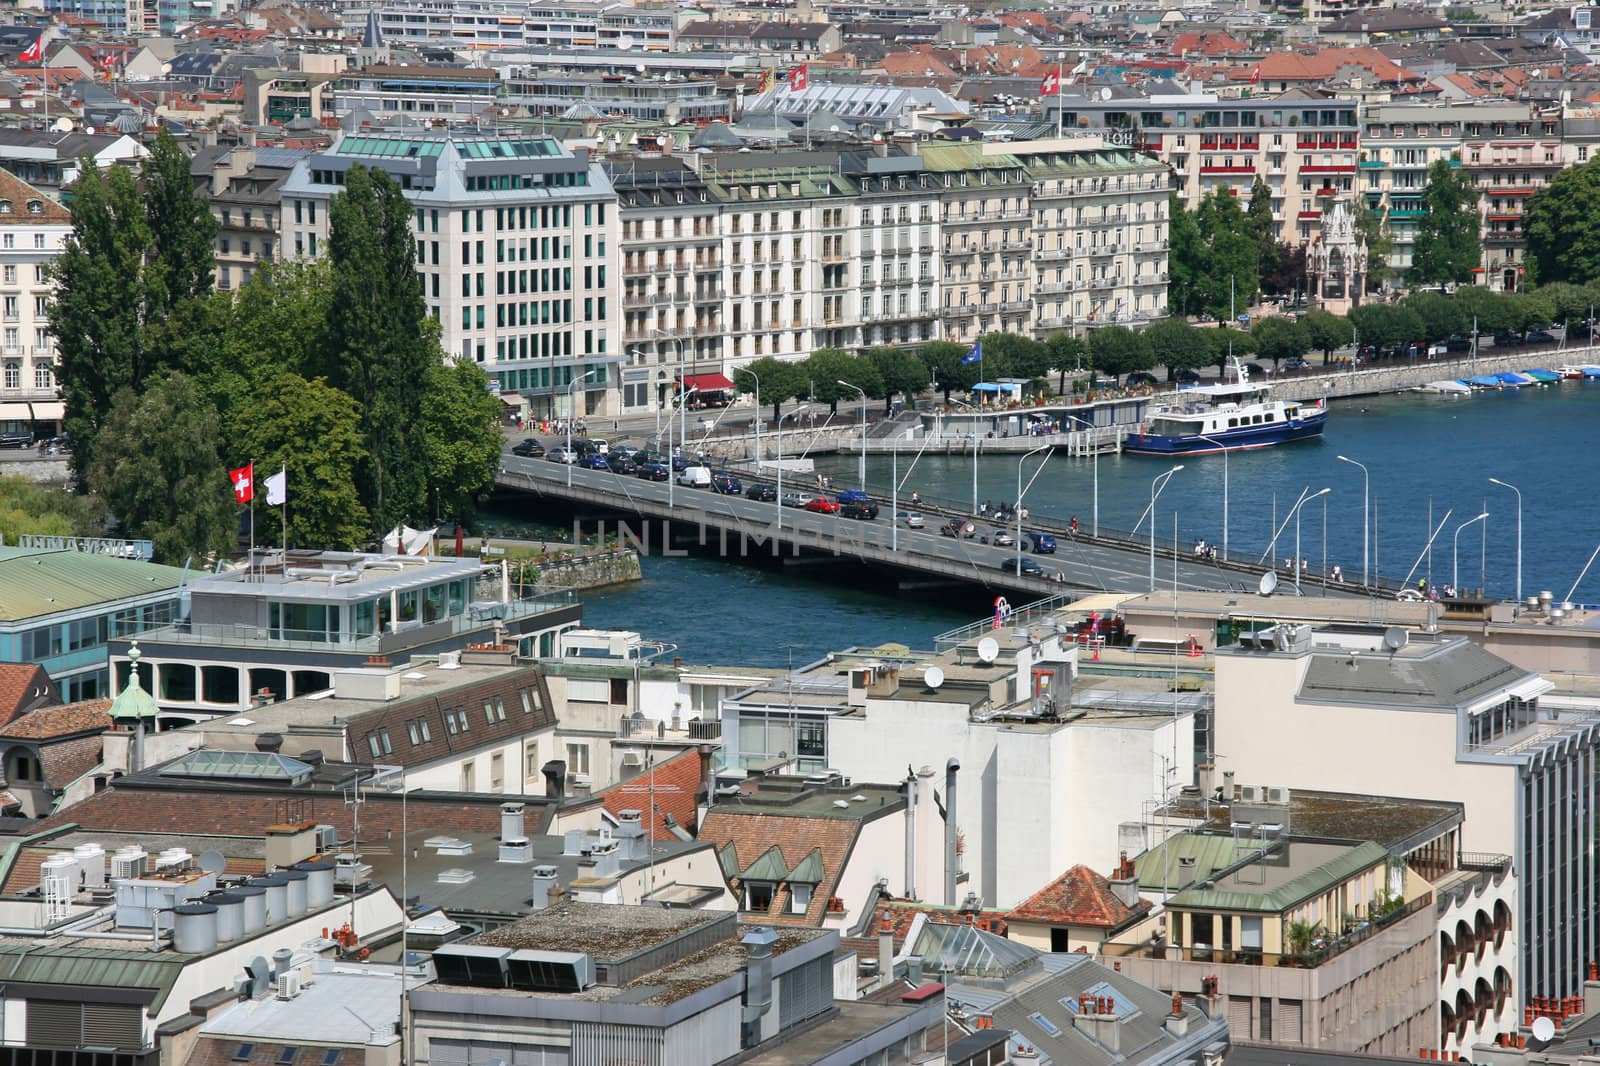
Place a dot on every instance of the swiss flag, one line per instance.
(34, 52)
(1255, 75)
(244, 483)
(1051, 85)
(800, 78)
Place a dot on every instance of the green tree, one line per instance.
(1440, 315)
(1119, 350)
(1483, 309)
(781, 381)
(1067, 353)
(312, 431)
(157, 467)
(1325, 331)
(1010, 355)
(27, 506)
(945, 360)
(1177, 345)
(1446, 248)
(1564, 227)
(1185, 258)
(181, 263)
(1372, 226)
(902, 373)
(1227, 279)
(1529, 310)
(461, 422)
(1258, 216)
(1386, 325)
(97, 310)
(827, 367)
(1228, 342)
(381, 343)
(1568, 302)
(1278, 338)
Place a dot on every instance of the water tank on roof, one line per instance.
(194, 928)
(255, 907)
(230, 916)
(295, 881)
(319, 883)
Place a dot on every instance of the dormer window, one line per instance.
(758, 895)
(35, 207)
(5, 207)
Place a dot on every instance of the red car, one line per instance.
(822, 506)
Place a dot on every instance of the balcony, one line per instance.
(1054, 323)
(988, 308)
(1110, 281)
(1052, 288)
(1149, 246)
(707, 296)
(1017, 245)
(961, 252)
(644, 299)
(1016, 305)
(1052, 254)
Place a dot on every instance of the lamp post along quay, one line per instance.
(1157, 485)
(1366, 514)
(1513, 488)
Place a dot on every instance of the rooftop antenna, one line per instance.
(933, 677)
(988, 649)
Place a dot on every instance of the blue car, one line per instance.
(594, 461)
(1040, 543)
(851, 496)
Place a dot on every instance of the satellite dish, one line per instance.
(1105, 94)
(988, 649)
(1394, 638)
(1269, 583)
(211, 861)
(1544, 1030)
(933, 677)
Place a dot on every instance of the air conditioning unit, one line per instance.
(327, 838)
(289, 985)
(1277, 795)
(1249, 794)
(128, 863)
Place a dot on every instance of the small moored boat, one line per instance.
(1448, 388)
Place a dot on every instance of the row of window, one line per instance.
(290, 1056)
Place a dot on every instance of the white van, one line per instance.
(697, 477)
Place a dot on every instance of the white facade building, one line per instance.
(33, 231)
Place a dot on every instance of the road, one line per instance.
(740, 527)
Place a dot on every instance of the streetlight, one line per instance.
(969, 407)
(1223, 448)
(1455, 575)
(1300, 563)
(1156, 486)
(683, 422)
(1021, 492)
(672, 480)
(752, 373)
(863, 465)
(778, 500)
(1094, 450)
(1513, 488)
(1366, 512)
(572, 414)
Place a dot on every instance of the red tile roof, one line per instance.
(61, 721)
(23, 686)
(1078, 897)
(795, 837)
(673, 786)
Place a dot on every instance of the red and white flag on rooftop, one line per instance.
(34, 52)
(800, 78)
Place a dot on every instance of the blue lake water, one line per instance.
(1419, 449)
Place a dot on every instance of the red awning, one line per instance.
(707, 382)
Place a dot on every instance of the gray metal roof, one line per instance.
(1421, 676)
(345, 1008)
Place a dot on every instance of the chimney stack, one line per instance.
(950, 831)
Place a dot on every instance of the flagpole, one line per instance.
(1060, 86)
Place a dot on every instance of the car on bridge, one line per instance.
(959, 528)
(594, 462)
(851, 496)
(725, 484)
(561, 455)
(861, 510)
(653, 472)
(1296, 363)
(821, 505)
(910, 519)
(528, 448)
(618, 463)
(697, 477)
(1039, 543)
(761, 493)
(999, 538)
(1021, 567)
(797, 499)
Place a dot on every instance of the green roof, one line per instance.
(729, 858)
(1211, 852)
(809, 871)
(35, 582)
(770, 867)
(133, 701)
(1235, 893)
(100, 967)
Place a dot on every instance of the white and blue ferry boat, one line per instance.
(1227, 417)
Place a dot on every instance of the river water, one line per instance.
(1421, 450)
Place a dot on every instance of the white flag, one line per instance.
(278, 488)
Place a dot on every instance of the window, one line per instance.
(286, 1055)
(497, 772)
(799, 898)
(619, 691)
(331, 1057)
(758, 896)
(468, 774)
(243, 1052)
(577, 758)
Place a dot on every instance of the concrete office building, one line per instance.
(515, 242)
(1435, 717)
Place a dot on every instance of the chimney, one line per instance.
(1186, 869)
(950, 767)
(885, 948)
(290, 843)
(555, 778)
(543, 880)
(914, 970)
(1227, 786)
(249, 138)
(1591, 991)
(911, 835)
(1097, 1019)
(757, 980)
(514, 844)
(880, 147)
(1124, 887)
(1177, 1022)
(269, 742)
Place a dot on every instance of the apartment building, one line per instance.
(1509, 151)
(1298, 144)
(1461, 724)
(515, 242)
(33, 230)
(463, 24)
(427, 93)
(241, 184)
(1099, 234)
(897, 241)
(583, 95)
(986, 230)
